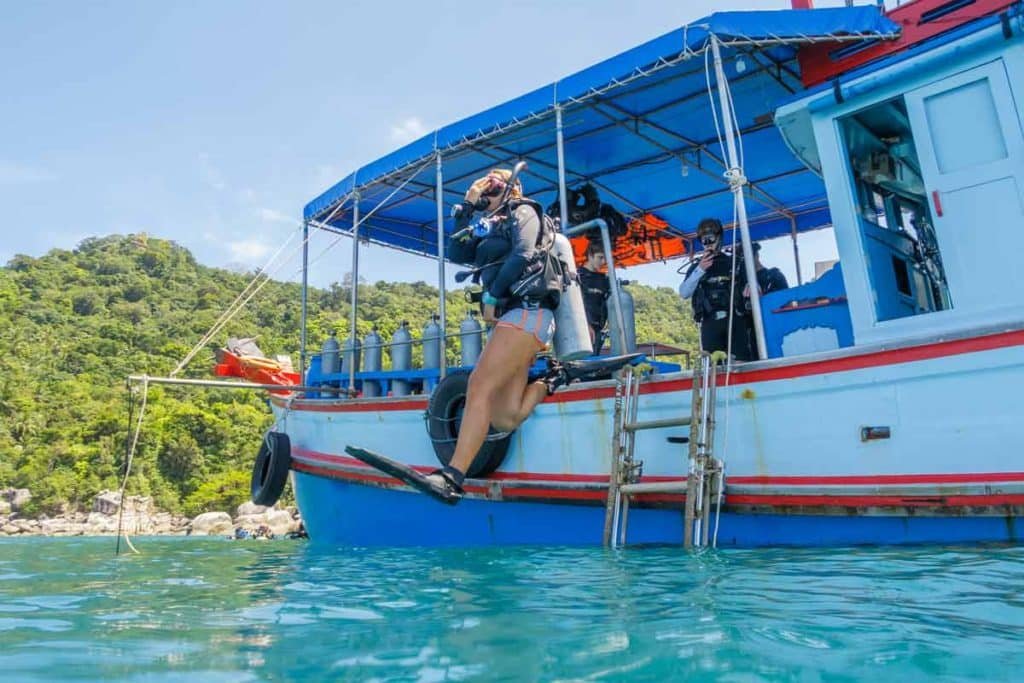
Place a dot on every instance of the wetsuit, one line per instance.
(710, 293)
(596, 290)
(768, 280)
(501, 255)
(519, 230)
(771, 280)
(502, 258)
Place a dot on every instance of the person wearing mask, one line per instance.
(596, 289)
(714, 285)
(768, 280)
(499, 391)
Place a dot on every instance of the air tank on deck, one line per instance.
(350, 355)
(401, 358)
(471, 339)
(628, 319)
(572, 333)
(432, 344)
(329, 355)
(373, 345)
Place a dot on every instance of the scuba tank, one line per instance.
(329, 355)
(401, 358)
(350, 355)
(470, 339)
(372, 347)
(572, 333)
(628, 319)
(432, 344)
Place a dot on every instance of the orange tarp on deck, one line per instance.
(648, 239)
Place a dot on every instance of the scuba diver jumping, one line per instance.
(512, 248)
(521, 282)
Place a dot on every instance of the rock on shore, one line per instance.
(140, 518)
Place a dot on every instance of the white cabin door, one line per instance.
(969, 142)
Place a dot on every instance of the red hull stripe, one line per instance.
(857, 362)
(875, 501)
(840, 480)
(770, 501)
(598, 495)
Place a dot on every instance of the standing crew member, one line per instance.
(712, 284)
(768, 280)
(596, 290)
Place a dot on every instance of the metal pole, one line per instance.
(355, 290)
(606, 243)
(736, 182)
(220, 383)
(440, 262)
(796, 251)
(563, 202)
(305, 285)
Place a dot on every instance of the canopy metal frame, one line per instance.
(496, 138)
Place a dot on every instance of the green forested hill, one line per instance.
(74, 324)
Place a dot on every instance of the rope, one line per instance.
(735, 177)
(128, 464)
(226, 316)
(239, 303)
(372, 211)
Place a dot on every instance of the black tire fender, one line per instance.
(270, 471)
(443, 419)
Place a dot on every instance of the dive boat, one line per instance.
(884, 408)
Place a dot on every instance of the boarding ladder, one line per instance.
(704, 482)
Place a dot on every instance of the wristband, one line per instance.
(488, 300)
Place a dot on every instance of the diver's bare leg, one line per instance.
(501, 361)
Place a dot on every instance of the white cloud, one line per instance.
(408, 130)
(210, 174)
(274, 216)
(13, 173)
(248, 251)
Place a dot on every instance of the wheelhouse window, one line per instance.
(903, 258)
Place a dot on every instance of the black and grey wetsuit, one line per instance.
(710, 293)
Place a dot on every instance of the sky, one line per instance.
(213, 123)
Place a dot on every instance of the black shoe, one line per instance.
(444, 485)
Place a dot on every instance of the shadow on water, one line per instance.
(233, 611)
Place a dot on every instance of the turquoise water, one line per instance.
(212, 610)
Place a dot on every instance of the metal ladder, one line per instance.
(704, 482)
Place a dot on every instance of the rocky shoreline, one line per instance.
(141, 518)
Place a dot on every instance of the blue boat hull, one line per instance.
(342, 513)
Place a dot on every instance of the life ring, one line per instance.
(444, 415)
(270, 471)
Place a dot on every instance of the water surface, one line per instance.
(214, 610)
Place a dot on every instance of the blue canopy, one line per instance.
(639, 127)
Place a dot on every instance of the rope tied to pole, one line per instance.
(736, 179)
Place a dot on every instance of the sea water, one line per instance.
(215, 610)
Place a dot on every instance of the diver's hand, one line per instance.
(479, 187)
(706, 260)
(489, 313)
